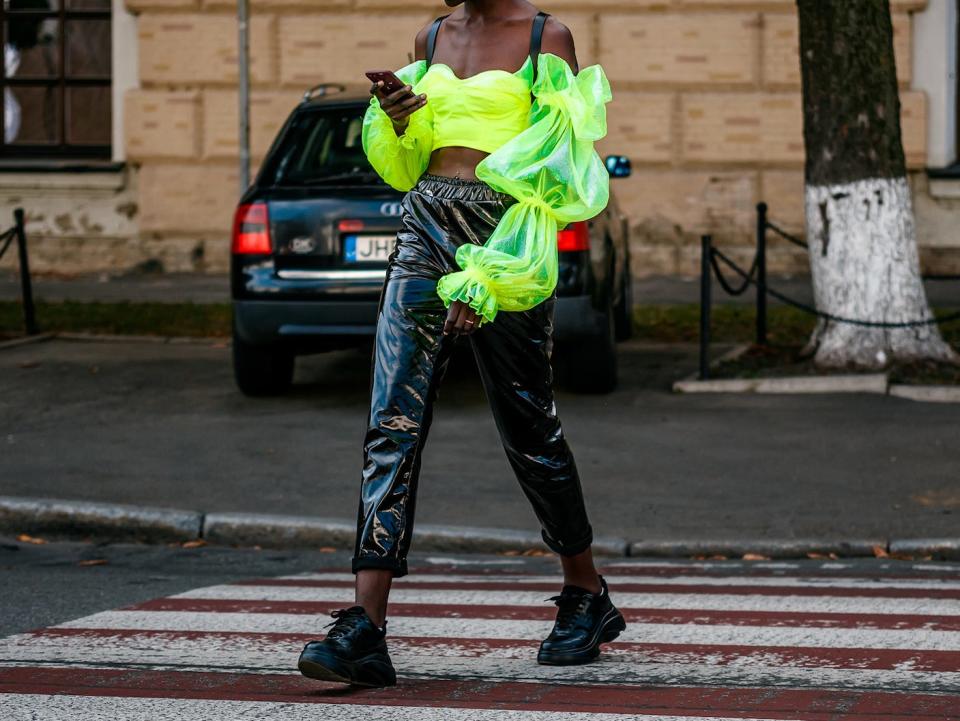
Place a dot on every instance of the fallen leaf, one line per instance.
(902, 556)
(536, 552)
(817, 555)
(94, 562)
(28, 364)
(755, 557)
(24, 538)
(327, 549)
(510, 553)
(196, 543)
(94, 369)
(937, 499)
(880, 552)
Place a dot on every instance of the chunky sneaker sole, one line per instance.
(608, 629)
(374, 670)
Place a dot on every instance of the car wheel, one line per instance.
(592, 362)
(261, 370)
(623, 313)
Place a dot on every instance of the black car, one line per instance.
(313, 234)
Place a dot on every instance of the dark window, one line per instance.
(56, 79)
(321, 146)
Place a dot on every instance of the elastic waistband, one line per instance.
(442, 186)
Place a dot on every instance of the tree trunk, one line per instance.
(859, 211)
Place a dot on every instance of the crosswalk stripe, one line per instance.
(458, 596)
(622, 581)
(531, 630)
(72, 643)
(438, 696)
(623, 663)
(58, 708)
(488, 586)
(548, 612)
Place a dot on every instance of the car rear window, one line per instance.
(322, 146)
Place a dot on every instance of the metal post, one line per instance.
(706, 250)
(26, 289)
(761, 274)
(243, 92)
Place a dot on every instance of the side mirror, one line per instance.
(618, 166)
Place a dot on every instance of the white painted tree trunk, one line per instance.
(864, 262)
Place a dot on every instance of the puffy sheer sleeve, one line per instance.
(555, 174)
(399, 160)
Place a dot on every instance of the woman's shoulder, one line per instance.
(558, 40)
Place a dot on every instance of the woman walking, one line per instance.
(492, 140)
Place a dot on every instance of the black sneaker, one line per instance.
(354, 652)
(584, 621)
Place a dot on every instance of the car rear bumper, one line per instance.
(263, 322)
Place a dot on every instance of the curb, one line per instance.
(109, 521)
(26, 340)
(929, 394)
(158, 339)
(279, 531)
(943, 548)
(102, 520)
(772, 547)
(865, 383)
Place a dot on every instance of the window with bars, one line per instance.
(56, 79)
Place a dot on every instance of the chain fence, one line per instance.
(756, 276)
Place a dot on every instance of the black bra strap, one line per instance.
(432, 38)
(536, 39)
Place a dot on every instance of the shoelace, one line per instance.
(570, 606)
(341, 623)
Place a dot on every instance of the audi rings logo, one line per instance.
(391, 209)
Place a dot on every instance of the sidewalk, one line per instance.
(196, 288)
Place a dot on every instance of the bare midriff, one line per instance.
(455, 162)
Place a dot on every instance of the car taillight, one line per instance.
(251, 229)
(575, 236)
(350, 224)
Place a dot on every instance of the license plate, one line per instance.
(367, 248)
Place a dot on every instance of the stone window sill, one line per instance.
(62, 175)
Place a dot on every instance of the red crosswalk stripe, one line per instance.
(711, 640)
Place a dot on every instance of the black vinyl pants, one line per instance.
(411, 354)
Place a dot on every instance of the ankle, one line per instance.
(590, 583)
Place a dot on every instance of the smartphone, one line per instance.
(391, 83)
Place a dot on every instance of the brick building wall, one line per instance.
(706, 105)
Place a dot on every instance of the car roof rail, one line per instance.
(322, 89)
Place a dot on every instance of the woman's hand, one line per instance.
(398, 105)
(461, 319)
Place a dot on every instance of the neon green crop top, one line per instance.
(541, 153)
(499, 97)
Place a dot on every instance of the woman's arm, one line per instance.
(397, 133)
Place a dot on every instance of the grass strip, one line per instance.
(661, 323)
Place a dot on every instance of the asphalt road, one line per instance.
(162, 424)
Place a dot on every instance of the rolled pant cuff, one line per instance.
(568, 549)
(361, 563)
